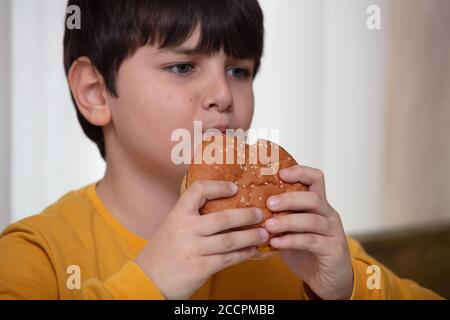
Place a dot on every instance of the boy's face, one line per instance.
(161, 90)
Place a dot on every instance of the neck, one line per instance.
(139, 201)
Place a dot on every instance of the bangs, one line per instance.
(234, 26)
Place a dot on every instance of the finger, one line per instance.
(201, 191)
(311, 177)
(311, 242)
(215, 222)
(300, 222)
(222, 261)
(232, 241)
(298, 201)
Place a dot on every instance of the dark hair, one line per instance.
(112, 30)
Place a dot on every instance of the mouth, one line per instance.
(224, 129)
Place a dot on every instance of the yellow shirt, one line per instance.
(76, 249)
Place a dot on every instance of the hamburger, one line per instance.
(229, 158)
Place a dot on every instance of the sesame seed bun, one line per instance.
(254, 187)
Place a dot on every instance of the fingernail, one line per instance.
(273, 201)
(264, 234)
(233, 187)
(259, 214)
(271, 222)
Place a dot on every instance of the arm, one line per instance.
(130, 283)
(391, 286)
(314, 245)
(27, 272)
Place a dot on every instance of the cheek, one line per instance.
(244, 101)
(145, 115)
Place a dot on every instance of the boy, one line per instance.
(138, 70)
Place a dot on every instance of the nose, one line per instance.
(218, 94)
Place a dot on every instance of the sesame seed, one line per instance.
(260, 198)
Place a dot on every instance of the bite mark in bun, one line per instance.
(254, 185)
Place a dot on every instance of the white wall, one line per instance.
(49, 154)
(320, 83)
(4, 113)
(355, 61)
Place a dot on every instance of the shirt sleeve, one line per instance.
(366, 287)
(390, 285)
(28, 273)
(130, 283)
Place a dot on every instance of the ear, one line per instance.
(90, 92)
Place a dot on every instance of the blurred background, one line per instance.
(366, 100)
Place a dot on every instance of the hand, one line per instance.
(187, 249)
(314, 244)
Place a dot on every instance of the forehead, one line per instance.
(194, 39)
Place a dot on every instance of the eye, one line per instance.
(239, 73)
(181, 69)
